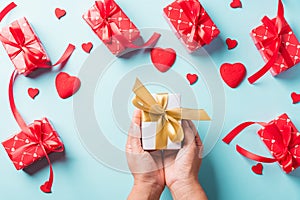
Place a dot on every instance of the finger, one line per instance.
(189, 136)
(134, 144)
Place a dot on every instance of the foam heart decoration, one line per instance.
(192, 78)
(33, 92)
(87, 47)
(163, 59)
(231, 43)
(233, 74)
(60, 13)
(236, 4)
(295, 97)
(66, 85)
(257, 169)
(46, 187)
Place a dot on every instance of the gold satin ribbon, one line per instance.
(155, 110)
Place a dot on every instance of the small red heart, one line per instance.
(163, 59)
(236, 4)
(60, 13)
(231, 43)
(233, 74)
(295, 97)
(46, 187)
(66, 85)
(192, 78)
(257, 169)
(87, 47)
(33, 92)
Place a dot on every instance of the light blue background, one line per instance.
(224, 173)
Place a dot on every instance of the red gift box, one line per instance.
(109, 22)
(281, 138)
(191, 23)
(23, 47)
(24, 149)
(277, 44)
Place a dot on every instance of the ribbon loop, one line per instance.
(155, 110)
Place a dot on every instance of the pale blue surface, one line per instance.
(224, 173)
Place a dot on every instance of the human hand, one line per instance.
(146, 167)
(181, 167)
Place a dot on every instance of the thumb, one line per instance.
(189, 136)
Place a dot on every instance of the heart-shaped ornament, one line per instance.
(233, 74)
(192, 78)
(66, 85)
(257, 169)
(87, 47)
(60, 13)
(163, 59)
(295, 97)
(46, 187)
(236, 4)
(231, 44)
(33, 92)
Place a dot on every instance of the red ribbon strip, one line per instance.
(35, 134)
(280, 152)
(110, 29)
(6, 10)
(193, 12)
(275, 43)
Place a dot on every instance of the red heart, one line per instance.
(87, 47)
(295, 97)
(192, 78)
(46, 187)
(257, 169)
(66, 85)
(60, 13)
(163, 59)
(33, 92)
(231, 43)
(233, 74)
(236, 4)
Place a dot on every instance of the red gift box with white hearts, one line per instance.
(289, 42)
(23, 46)
(191, 23)
(281, 138)
(109, 21)
(24, 149)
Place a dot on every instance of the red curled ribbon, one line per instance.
(277, 28)
(110, 29)
(48, 142)
(193, 10)
(38, 132)
(283, 145)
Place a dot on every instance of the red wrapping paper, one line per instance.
(194, 30)
(108, 21)
(280, 136)
(289, 41)
(24, 149)
(25, 50)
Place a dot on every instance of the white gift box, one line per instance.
(149, 128)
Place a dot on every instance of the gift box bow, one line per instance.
(155, 110)
(277, 27)
(40, 133)
(32, 56)
(282, 139)
(106, 9)
(197, 16)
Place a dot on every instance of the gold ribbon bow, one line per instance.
(155, 110)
